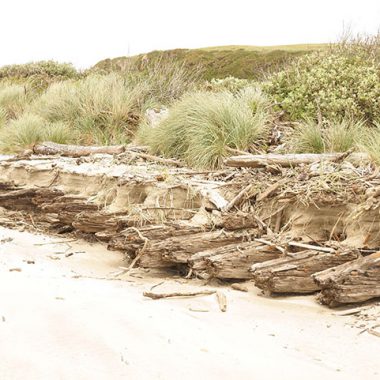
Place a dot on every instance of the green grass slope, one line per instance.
(248, 62)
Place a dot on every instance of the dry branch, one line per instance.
(156, 296)
(238, 198)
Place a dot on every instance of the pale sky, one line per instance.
(86, 31)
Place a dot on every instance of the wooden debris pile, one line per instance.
(285, 222)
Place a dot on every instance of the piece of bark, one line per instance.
(293, 274)
(156, 296)
(288, 160)
(236, 221)
(232, 261)
(356, 281)
(50, 148)
(222, 301)
(240, 287)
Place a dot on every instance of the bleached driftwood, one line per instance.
(49, 148)
(287, 160)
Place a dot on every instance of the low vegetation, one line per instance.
(343, 81)
(29, 129)
(202, 128)
(221, 101)
(13, 100)
(97, 108)
(245, 62)
(339, 136)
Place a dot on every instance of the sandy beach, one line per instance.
(64, 315)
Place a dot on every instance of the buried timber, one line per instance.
(299, 224)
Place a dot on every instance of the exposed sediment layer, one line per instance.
(210, 224)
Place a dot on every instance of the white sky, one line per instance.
(86, 31)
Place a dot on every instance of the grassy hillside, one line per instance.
(291, 48)
(248, 62)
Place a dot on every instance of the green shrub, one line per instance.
(229, 83)
(41, 68)
(332, 84)
(202, 127)
(30, 129)
(37, 76)
(339, 136)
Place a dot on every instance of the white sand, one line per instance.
(57, 323)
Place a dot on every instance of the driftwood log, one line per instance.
(356, 281)
(27, 199)
(180, 249)
(232, 261)
(49, 148)
(131, 240)
(293, 272)
(288, 160)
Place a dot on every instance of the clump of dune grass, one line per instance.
(345, 135)
(30, 129)
(102, 109)
(168, 79)
(203, 127)
(370, 143)
(13, 99)
(333, 136)
(3, 117)
(307, 138)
